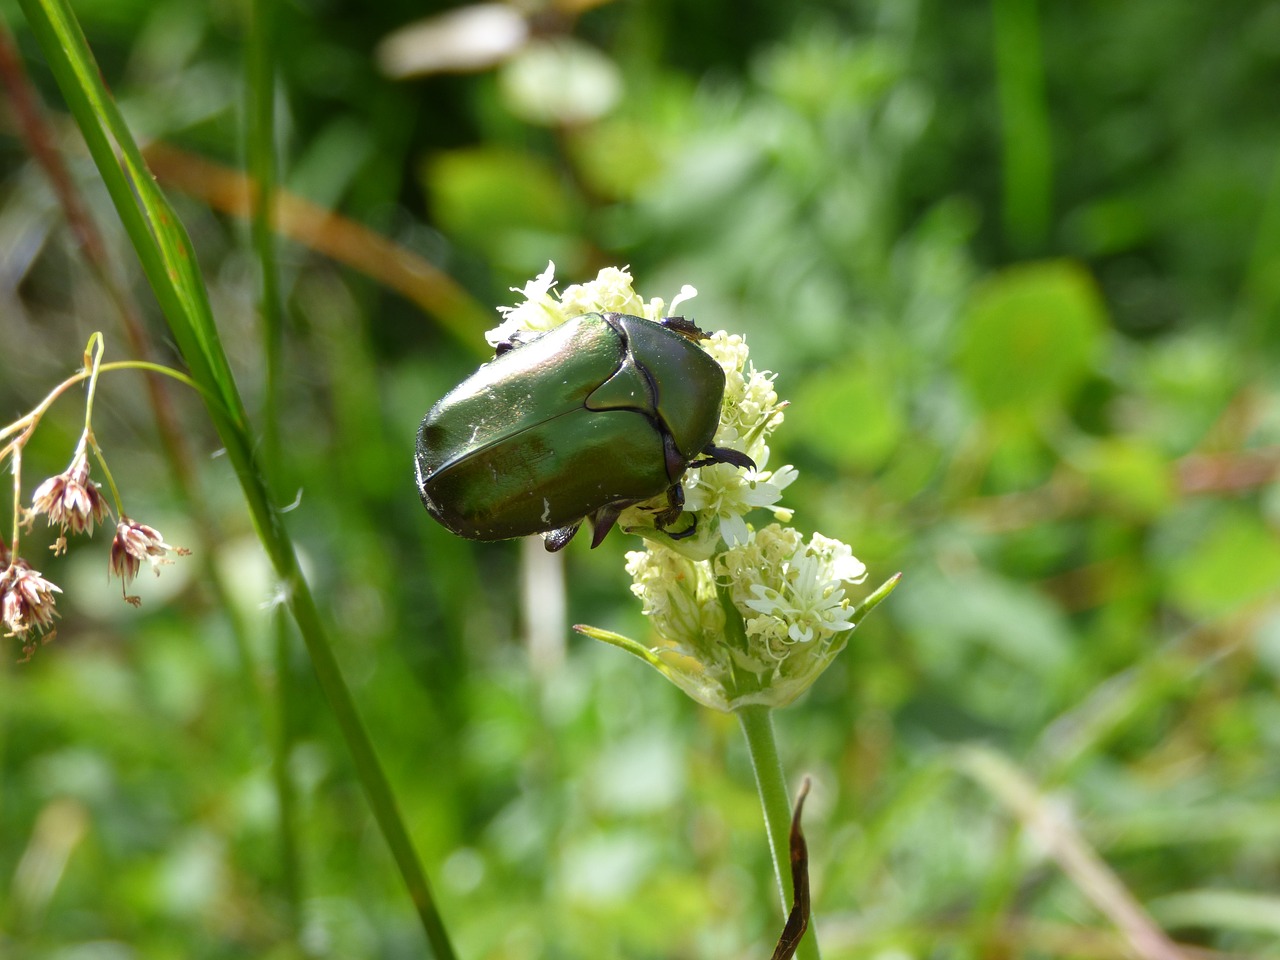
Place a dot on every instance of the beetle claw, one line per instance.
(688, 531)
(674, 511)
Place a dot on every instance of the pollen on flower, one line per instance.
(27, 605)
(133, 543)
(70, 501)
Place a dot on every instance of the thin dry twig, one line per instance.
(1078, 860)
(324, 231)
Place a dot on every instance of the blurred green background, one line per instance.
(1017, 267)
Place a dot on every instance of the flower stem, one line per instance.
(757, 726)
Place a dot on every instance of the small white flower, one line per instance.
(678, 594)
(687, 292)
(796, 590)
(806, 593)
(728, 493)
(788, 596)
(808, 604)
(751, 408)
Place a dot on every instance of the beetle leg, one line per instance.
(686, 328)
(714, 454)
(559, 538)
(675, 506)
(505, 346)
(676, 464)
(675, 509)
(688, 531)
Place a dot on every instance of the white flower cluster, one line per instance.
(543, 309)
(788, 595)
(742, 615)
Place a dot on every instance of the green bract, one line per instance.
(595, 415)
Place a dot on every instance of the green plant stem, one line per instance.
(286, 795)
(261, 161)
(261, 156)
(1027, 145)
(169, 262)
(757, 726)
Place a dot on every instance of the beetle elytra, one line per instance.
(598, 414)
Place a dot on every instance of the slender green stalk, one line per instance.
(261, 156)
(286, 795)
(757, 726)
(169, 262)
(1026, 140)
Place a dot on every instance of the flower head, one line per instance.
(794, 599)
(543, 309)
(742, 615)
(133, 543)
(786, 596)
(26, 604)
(71, 501)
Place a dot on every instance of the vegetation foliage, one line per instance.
(1017, 268)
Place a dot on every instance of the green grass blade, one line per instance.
(261, 162)
(1026, 138)
(168, 260)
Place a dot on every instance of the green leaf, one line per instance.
(1241, 910)
(1029, 336)
(508, 205)
(1237, 561)
(850, 414)
(1130, 474)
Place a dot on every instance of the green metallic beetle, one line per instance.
(581, 422)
